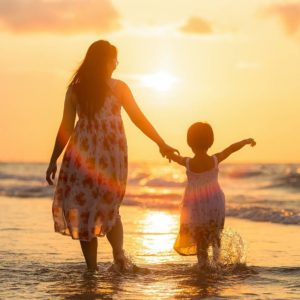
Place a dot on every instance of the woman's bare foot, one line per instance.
(124, 264)
(119, 264)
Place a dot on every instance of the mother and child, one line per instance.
(93, 174)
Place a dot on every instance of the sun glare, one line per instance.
(159, 229)
(161, 81)
(159, 222)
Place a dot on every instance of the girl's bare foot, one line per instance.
(216, 254)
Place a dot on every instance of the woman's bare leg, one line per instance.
(115, 238)
(89, 250)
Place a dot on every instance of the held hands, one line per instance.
(50, 173)
(165, 150)
(250, 141)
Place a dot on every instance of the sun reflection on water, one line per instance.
(159, 222)
(159, 231)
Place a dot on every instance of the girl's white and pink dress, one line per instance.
(202, 210)
(93, 173)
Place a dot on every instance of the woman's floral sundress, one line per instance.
(92, 179)
(202, 210)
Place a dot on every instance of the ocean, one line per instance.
(258, 192)
(260, 252)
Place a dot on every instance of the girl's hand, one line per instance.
(251, 142)
(50, 173)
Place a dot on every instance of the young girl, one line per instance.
(203, 206)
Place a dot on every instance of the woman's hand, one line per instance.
(165, 149)
(50, 173)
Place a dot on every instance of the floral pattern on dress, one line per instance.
(93, 174)
(202, 211)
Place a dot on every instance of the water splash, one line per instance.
(127, 266)
(232, 254)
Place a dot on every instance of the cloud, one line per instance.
(197, 25)
(289, 15)
(59, 16)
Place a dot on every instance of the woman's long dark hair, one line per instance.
(89, 81)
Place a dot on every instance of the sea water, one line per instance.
(260, 257)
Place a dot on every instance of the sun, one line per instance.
(160, 81)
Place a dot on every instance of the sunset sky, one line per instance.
(234, 64)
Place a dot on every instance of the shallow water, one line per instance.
(69, 280)
(36, 263)
(163, 281)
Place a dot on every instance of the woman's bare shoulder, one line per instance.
(120, 88)
(120, 84)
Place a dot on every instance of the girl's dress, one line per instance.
(93, 174)
(202, 210)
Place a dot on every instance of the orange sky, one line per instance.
(234, 64)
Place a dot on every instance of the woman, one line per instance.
(93, 174)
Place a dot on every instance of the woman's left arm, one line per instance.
(140, 120)
(64, 132)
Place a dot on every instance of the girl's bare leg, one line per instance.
(115, 238)
(217, 249)
(89, 250)
(202, 248)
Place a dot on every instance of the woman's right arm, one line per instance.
(140, 120)
(177, 158)
(64, 132)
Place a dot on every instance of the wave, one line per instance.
(32, 191)
(244, 173)
(264, 211)
(18, 177)
(253, 213)
(257, 213)
(250, 189)
(265, 214)
(163, 196)
(160, 182)
(291, 181)
(135, 179)
(153, 202)
(276, 175)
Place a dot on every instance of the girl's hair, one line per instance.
(200, 136)
(89, 81)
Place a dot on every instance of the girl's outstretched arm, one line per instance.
(64, 132)
(140, 120)
(233, 148)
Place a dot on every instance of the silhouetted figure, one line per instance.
(203, 206)
(92, 179)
